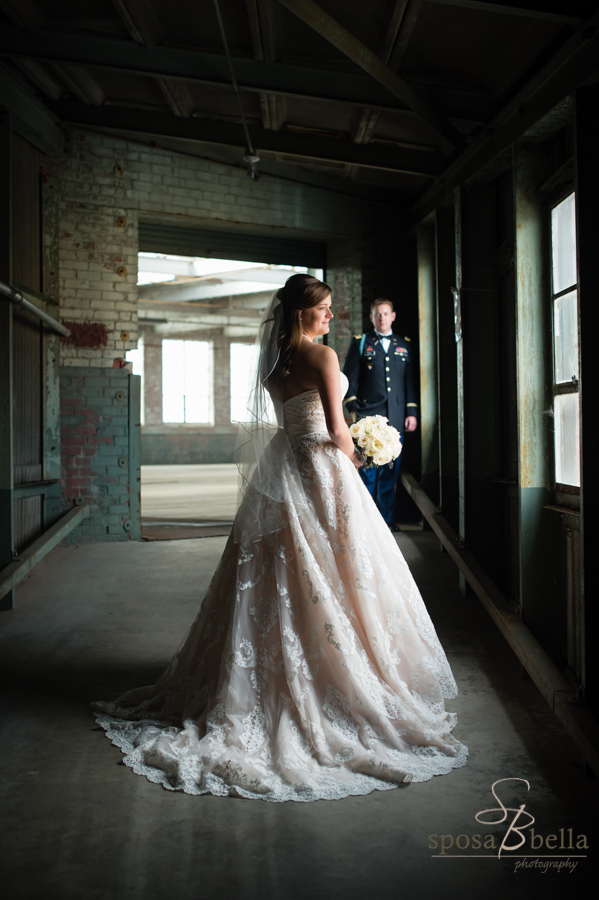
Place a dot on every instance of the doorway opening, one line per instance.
(198, 318)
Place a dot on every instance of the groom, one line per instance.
(381, 382)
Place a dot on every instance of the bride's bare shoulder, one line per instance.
(320, 355)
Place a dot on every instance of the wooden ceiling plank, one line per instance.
(316, 18)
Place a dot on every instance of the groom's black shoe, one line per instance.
(394, 528)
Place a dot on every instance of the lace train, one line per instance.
(313, 670)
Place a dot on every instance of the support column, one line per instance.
(344, 275)
(153, 379)
(587, 200)
(222, 380)
(533, 367)
(427, 330)
(6, 349)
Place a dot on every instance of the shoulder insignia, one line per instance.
(406, 338)
(357, 337)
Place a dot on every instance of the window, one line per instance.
(565, 342)
(137, 358)
(243, 361)
(187, 393)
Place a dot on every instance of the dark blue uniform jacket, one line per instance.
(381, 384)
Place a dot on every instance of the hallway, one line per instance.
(93, 620)
(166, 167)
(187, 501)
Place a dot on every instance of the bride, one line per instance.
(312, 670)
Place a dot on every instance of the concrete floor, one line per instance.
(94, 620)
(206, 493)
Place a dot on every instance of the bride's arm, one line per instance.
(328, 384)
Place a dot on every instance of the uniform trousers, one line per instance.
(381, 481)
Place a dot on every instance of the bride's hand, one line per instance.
(356, 460)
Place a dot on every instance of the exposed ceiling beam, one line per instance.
(317, 19)
(177, 95)
(30, 117)
(141, 20)
(216, 314)
(40, 75)
(393, 159)
(81, 83)
(254, 26)
(269, 14)
(408, 22)
(186, 291)
(258, 51)
(22, 13)
(392, 25)
(203, 327)
(575, 62)
(186, 269)
(528, 9)
(395, 14)
(282, 79)
(240, 303)
(265, 32)
(143, 26)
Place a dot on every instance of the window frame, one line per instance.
(566, 387)
(210, 423)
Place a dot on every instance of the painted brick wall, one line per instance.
(105, 186)
(344, 275)
(95, 436)
(100, 207)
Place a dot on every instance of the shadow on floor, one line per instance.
(94, 620)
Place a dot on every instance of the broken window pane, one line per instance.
(567, 440)
(563, 241)
(565, 331)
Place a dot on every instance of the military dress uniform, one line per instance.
(381, 383)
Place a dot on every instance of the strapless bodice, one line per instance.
(304, 413)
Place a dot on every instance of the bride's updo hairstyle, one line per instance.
(299, 292)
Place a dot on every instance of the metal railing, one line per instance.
(18, 299)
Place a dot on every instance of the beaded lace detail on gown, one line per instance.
(313, 670)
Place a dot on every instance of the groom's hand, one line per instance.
(411, 423)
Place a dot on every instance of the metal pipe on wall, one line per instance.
(18, 299)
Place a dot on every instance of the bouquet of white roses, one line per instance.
(376, 443)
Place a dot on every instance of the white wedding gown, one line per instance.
(312, 670)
